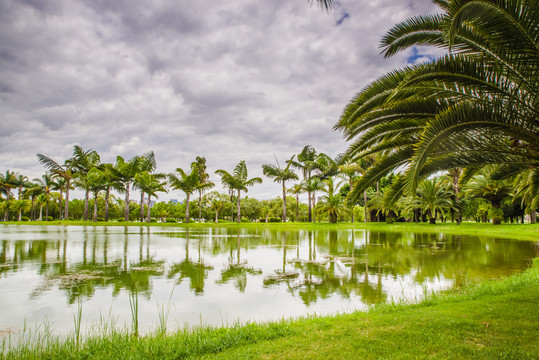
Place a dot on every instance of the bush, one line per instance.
(153, 220)
(48, 218)
(171, 220)
(496, 214)
(263, 220)
(120, 219)
(274, 219)
(25, 218)
(100, 219)
(245, 220)
(221, 221)
(390, 220)
(71, 218)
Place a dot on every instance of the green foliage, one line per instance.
(274, 219)
(496, 214)
(25, 218)
(171, 220)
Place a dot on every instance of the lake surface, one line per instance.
(221, 276)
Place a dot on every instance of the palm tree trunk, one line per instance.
(107, 204)
(40, 212)
(310, 210)
(86, 201)
(353, 206)
(199, 203)
(297, 208)
(66, 210)
(239, 212)
(148, 214)
(366, 220)
(60, 206)
(126, 210)
(95, 207)
(187, 208)
(141, 206)
(284, 203)
(47, 210)
(378, 195)
(533, 217)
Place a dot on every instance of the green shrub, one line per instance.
(245, 220)
(262, 220)
(100, 219)
(496, 214)
(390, 220)
(171, 220)
(120, 219)
(153, 220)
(221, 221)
(48, 218)
(25, 218)
(274, 219)
(71, 218)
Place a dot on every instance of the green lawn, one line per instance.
(492, 320)
(516, 231)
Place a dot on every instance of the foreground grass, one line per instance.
(493, 320)
(514, 231)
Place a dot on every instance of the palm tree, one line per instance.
(84, 161)
(66, 171)
(59, 184)
(433, 198)
(474, 107)
(494, 191)
(8, 182)
(33, 190)
(280, 175)
(148, 164)
(151, 185)
(188, 183)
(306, 162)
(296, 189)
(47, 184)
(126, 171)
(204, 182)
(238, 181)
(311, 186)
(332, 203)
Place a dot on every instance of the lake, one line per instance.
(224, 275)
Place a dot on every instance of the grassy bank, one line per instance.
(492, 320)
(515, 231)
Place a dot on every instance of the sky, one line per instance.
(227, 80)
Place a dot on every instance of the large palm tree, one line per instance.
(238, 181)
(474, 107)
(332, 203)
(433, 198)
(296, 190)
(186, 182)
(494, 191)
(281, 175)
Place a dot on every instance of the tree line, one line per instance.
(328, 182)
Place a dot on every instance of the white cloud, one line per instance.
(231, 80)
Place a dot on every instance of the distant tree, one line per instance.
(238, 181)
(188, 183)
(282, 176)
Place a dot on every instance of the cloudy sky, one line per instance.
(227, 80)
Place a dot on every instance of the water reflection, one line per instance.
(315, 267)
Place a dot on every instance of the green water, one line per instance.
(218, 276)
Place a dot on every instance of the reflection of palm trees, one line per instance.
(195, 271)
(237, 271)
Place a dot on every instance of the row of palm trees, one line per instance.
(473, 112)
